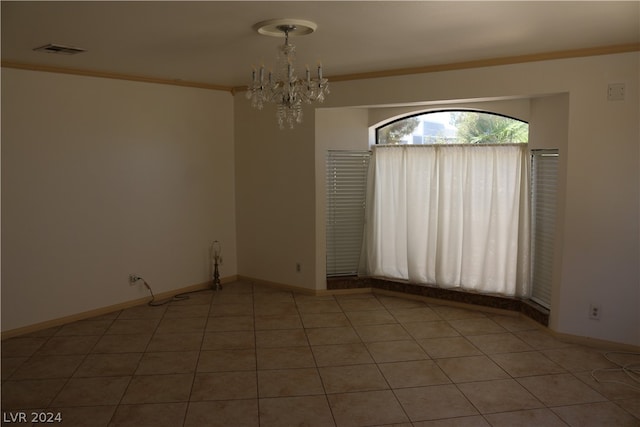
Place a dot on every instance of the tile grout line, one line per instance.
(195, 369)
(393, 392)
(124, 393)
(315, 361)
(68, 380)
(255, 349)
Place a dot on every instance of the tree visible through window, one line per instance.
(454, 127)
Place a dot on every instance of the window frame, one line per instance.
(443, 110)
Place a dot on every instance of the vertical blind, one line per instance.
(346, 193)
(544, 183)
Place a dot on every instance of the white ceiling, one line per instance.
(213, 42)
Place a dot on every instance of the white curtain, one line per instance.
(450, 216)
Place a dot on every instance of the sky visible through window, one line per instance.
(454, 127)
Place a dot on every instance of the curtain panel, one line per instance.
(454, 216)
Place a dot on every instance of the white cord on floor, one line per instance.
(632, 370)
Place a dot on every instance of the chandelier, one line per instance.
(282, 86)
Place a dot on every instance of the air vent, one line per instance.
(59, 49)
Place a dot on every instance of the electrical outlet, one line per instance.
(298, 267)
(595, 311)
(133, 279)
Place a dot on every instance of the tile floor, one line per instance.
(253, 356)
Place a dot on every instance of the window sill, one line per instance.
(526, 307)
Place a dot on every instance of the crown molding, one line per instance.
(117, 76)
(507, 60)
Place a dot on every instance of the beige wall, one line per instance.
(275, 197)
(599, 229)
(102, 178)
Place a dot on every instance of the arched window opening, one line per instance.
(453, 127)
(450, 199)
